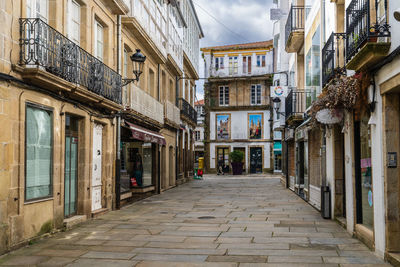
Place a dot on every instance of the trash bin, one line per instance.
(325, 202)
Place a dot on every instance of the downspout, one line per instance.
(159, 152)
(118, 137)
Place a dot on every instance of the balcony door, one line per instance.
(37, 9)
(74, 21)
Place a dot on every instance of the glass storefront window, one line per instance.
(38, 149)
(366, 174)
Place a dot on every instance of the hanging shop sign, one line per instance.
(279, 91)
(146, 135)
(328, 116)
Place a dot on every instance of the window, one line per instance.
(126, 57)
(256, 94)
(99, 41)
(197, 135)
(261, 61)
(223, 95)
(219, 63)
(233, 65)
(151, 84)
(38, 153)
(247, 65)
(37, 9)
(74, 21)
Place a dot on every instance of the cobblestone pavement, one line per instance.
(218, 221)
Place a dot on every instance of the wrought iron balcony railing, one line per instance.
(295, 21)
(295, 103)
(331, 58)
(361, 27)
(188, 111)
(41, 45)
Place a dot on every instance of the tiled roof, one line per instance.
(261, 44)
(199, 103)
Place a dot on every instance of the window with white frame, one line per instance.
(233, 65)
(261, 61)
(74, 21)
(256, 94)
(219, 63)
(247, 65)
(197, 135)
(99, 40)
(37, 9)
(223, 95)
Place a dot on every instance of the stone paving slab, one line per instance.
(216, 222)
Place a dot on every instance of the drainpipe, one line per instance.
(118, 144)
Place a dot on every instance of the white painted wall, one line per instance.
(348, 161)
(239, 124)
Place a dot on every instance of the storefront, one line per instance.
(139, 161)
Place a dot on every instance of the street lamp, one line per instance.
(138, 60)
(277, 105)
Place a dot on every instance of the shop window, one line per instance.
(38, 153)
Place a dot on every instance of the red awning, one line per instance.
(146, 135)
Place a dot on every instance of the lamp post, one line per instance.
(138, 60)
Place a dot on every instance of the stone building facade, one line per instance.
(75, 130)
(353, 151)
(237, 105)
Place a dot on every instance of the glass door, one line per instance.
(71, 167)
(256, 164)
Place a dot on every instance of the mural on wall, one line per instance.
(255, 126)
(223, 126)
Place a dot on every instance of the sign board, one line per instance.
(279, 91)
(327, 116)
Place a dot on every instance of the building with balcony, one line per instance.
(351, 149)
(199, 131)
(237, 105)
(60, 91)
(81, 140)
(162, 101)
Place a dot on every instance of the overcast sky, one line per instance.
(249, 19)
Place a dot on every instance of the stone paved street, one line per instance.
(219, 221)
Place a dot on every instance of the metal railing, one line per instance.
(295, 103)
(41, 45)
(187, 110)
(361, 27)
(331, 58)
(295, 21)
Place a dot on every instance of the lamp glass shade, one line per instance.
(277, 103)
(138, 60)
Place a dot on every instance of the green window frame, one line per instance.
(38, 152)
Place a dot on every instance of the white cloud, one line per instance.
(249, 19)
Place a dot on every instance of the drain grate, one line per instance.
(206, 217)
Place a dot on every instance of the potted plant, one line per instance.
(236, 158)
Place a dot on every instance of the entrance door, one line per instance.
(71, 166)
(256, 163)
(96, 166)
(223, 159)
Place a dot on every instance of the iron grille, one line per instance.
(41, 45)
(360, 28)
(295, 103)
(188, 111)
(295, 21)
(331, 59)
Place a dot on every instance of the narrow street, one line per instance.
(218, 221)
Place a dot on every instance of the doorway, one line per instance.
(71, 166)
(96, 166)
(256, 164)
(223, 159)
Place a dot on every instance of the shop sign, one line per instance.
(279, 91)
(327, 116)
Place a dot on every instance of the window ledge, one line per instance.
(38, 200)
